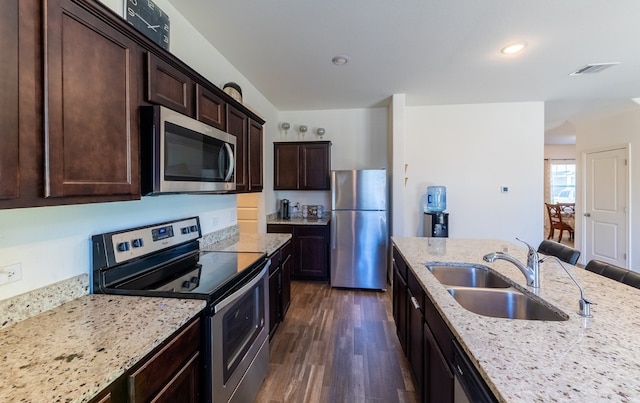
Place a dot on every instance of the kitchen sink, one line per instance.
(504, 303)
(467, 275)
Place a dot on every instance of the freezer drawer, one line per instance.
(359, 241)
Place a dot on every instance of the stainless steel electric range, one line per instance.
(164, 260)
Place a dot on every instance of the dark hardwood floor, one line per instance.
(337, 345)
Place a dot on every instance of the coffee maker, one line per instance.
(284, 209)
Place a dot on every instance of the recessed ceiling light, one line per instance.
(340, 60)
(636, 100)
(513, 48)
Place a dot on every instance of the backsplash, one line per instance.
(26, 305)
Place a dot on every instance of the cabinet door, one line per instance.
(415, 341)
(286, 166)
(311, 252)
(275, 281)
(315, 166)
(184, 386)
(210, 108)
(287, 271)
(172, 374)
(92, 80)
(168, 86)
(254, 165)
(437, 377)
(9, 126)
(237, 125)
(400, 306)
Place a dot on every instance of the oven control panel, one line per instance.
(137, 242)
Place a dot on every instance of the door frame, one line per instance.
(583, 197)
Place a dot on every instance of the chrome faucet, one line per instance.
(531, 271)
(584, 305)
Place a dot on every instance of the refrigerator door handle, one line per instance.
(334, 226)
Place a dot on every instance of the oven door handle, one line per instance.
(236, 295)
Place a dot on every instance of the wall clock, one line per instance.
(149, 19)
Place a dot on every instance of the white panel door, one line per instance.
(605, 213)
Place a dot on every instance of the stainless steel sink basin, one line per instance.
(467, 275)
(504, 303)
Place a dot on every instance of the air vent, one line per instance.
(593, 68)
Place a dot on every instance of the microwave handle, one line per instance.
(231, 162)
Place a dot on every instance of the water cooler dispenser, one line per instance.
(436, 221)
(436, 225)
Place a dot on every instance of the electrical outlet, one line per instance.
(11, 273)
(215, 222)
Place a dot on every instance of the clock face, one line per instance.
(149, 19)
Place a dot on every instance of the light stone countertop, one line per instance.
(300, 221)
(72, 352)
(267, 243)
(579, 360)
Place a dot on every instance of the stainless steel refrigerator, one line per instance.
(359, 229)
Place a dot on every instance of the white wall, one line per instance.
(474, 150)
(560, 151)
(52, 243)
(396, 155)
(614, 131)
(358, 141)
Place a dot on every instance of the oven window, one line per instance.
(192, 156)
(241, 325)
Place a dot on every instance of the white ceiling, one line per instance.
(435, 51)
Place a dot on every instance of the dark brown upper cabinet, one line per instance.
(92, 75)
(255, 152)
(168, 86)
(302, 165)
(210, 108)
(237, 124)
(9, 117)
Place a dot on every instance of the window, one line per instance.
(563, 181)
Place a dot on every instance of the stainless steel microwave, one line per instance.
(182, 155)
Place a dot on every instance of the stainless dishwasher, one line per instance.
(468, 385)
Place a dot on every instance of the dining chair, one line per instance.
(556, 223)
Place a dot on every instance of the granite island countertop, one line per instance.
(72, 352)
(582, 359)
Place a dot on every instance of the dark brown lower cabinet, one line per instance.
(437, 376)
(310, 250)
(424, 335)
(169, 374)
(279, 286)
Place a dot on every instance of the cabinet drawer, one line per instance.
(400, 264)
(439, 328)
(160, 369)
(279, 229)
(275, 259)
(287, 250)
(416, 289)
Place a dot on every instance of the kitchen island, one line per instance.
(581, 359)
